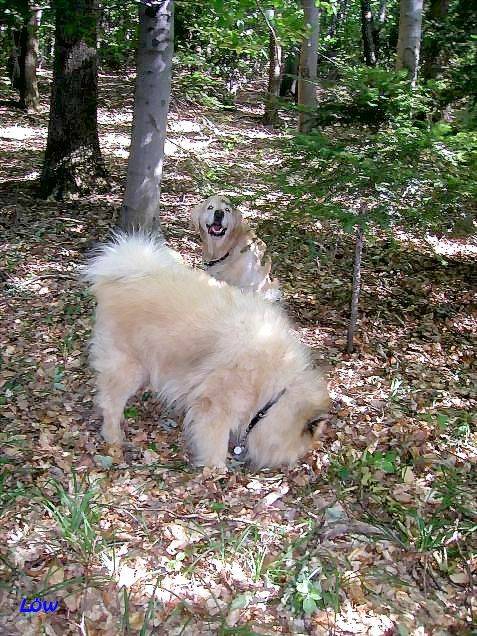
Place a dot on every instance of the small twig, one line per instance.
(356, 289)
(45, 276)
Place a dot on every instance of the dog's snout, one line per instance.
(218, 216)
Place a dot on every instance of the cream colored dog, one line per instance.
(228, 360)
(231, 251)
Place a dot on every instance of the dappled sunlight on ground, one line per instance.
(445, 246)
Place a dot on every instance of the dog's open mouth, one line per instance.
(216, 229)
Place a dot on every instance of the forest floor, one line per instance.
(372, 533)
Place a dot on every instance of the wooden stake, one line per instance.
(356, 288)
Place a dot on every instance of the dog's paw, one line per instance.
(116, 452)
(214, 472)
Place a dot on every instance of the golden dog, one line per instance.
(232, 253)
(228, 360)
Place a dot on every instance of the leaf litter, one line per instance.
(372, 533)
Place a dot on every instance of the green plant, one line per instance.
(77, 513)
(409, 173)
(131, 412)
(309, 590)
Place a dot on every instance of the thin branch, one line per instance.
(356, 288)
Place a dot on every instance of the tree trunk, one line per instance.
(274, 74)
(13, 63)
(356, 289)
(307, 71)
(288, 80)
(73, 163)
(24, 56)
(151, 105)
(29, 96)
(409, 41)
(433, 58)
(369, 34)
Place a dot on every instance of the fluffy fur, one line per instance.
(223, 232)
(217, 354)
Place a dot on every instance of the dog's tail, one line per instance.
(129, 256)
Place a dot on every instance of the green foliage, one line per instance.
(243, 25)
(118, 35)
(77, 514)
(449, 51)
(367, 470)
(310, 591)
(196, 82)
(219, 46)
(310, 580)
(407, 168)
(374, 96)
(131, 412)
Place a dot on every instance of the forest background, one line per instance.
(333, 125)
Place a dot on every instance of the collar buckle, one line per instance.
(217, 260)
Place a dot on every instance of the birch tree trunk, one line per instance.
(73, 163)
(151, 106)
(274, 73)
(409, 41)
(356, 289)
(307, 71)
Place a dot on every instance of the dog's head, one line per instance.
(292, 424)
(215, 219)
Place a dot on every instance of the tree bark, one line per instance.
(24, 56)
(288, 82)
(409, 41)
(369, 34)
(274, 74)
(29, 96)
(307, 71)
(13, 63)
(151, 106)
(73, 163)
(356, 289)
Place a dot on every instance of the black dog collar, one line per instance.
(217, 260)
(238, 450)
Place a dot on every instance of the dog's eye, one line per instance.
(312, 425)
(227, 209)
(210, 207)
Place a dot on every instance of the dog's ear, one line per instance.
(194, 217)
(238, 214)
